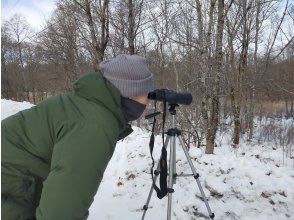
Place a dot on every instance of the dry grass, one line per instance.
(272, 108)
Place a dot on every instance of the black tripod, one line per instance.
(172, 133)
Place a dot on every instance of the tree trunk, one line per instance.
(236, 118)
(131, 31)
(292, 108)
(216, 70)
(98, 45)
(252, 87)
(287, 108)
(237, 93)
(97, 56)
(210, 144)
(251, 119)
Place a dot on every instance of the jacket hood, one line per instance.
(94, 87)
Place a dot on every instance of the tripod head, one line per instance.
(172, 110)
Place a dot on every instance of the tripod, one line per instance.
(172, 133)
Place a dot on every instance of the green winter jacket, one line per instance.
(55, 153)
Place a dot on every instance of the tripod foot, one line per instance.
(196, 176)
(145, 207)
(212, 216)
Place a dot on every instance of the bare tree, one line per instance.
(99, 35)
(127, 19)
(211, 70)
(19, 30)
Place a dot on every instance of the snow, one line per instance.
(249, 182)
(9, 107)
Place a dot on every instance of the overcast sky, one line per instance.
(35, 11)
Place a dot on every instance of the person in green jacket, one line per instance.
(55, 153)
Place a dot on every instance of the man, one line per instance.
(55, 153)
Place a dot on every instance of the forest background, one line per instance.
(236, 57)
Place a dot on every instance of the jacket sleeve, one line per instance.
(78, 163)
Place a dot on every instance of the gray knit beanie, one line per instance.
(129, 73)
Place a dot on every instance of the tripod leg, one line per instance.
(171, 176)
(145, 207)
(174, 164)
(196, 176)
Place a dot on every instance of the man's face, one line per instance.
(141, 99)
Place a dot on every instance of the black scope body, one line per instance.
(170, 96)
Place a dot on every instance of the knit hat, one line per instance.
(129, 73)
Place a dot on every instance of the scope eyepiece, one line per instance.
(170, 96)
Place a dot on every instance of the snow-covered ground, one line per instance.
(9, 107)
(247, 183)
